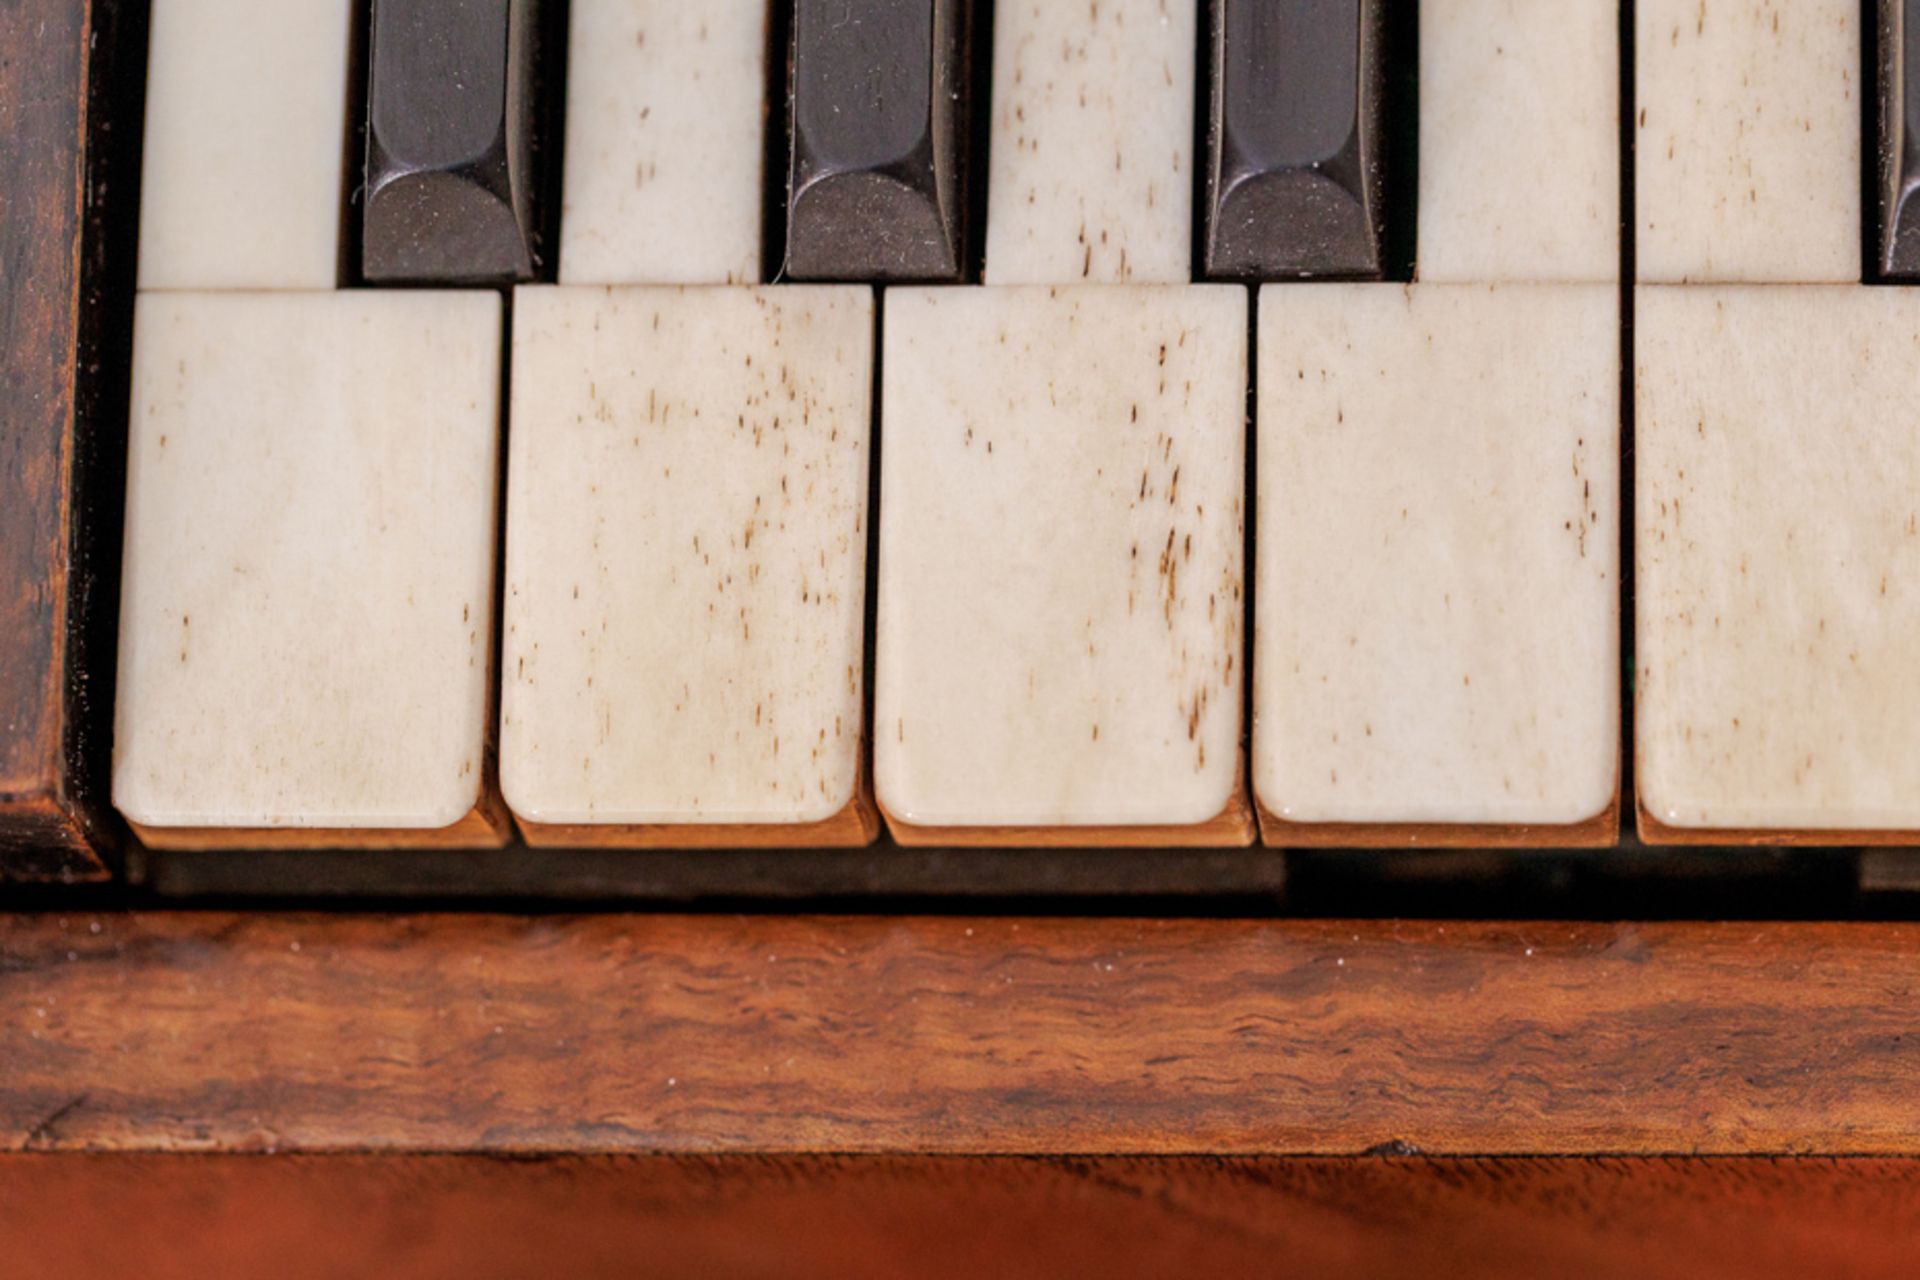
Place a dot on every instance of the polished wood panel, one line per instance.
(710, 1033)
(51, 813)
(797, 1216)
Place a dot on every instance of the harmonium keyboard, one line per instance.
(912, 423)
(1029, 450)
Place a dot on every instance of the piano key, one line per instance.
(1748, 143)
(686, 566)
(1293, 176)
(450, 185)
(306, 607)
(242, 180)
(1092, 141)
(1437, 609)
(1899, 139)
(1778, 549)
(665, 134)
(1519, 141)
(1061, 541)
(58, 471)
(878, 184)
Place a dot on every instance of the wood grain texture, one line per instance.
(610, 1033)
(49, 825)
(163, 1217)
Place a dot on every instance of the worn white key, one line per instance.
(1092, 150)
(306, 608)
(665, 120)
(1060, 556)
(1437, 626)
(1747, 162)
(241, 170)
(686, 554)
(1778, 549)
(1519, 141)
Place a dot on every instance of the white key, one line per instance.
(666, 102)
(1437, 608)
(1092, 155)
(1061, 541)
(687, 506)
(1778, 548)
(1519, 141)
(306, 610)
(245, 140)
(1748, 153)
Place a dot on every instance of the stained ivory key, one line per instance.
(306, 605)
(1437, 626)
(878, 184)
(1778, 577)
(686, 566)
(1900, 138)
(1294, 163)
(1092, 143)
(666, 102)
(451, 150)
(242, 168)
(1747, 165)
(1061, 540)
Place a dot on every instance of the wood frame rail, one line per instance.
(709, 1034)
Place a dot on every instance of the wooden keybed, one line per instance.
(863, 1093)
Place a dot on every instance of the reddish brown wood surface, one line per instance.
(47, 829)
(183, 1032)
(294, 1218)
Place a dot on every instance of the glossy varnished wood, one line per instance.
(183, 1032)
(51, 823)
(163, 1217)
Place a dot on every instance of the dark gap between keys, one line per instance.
(1629, 228)
(777, 142)
(977, 162)
(1400, 136)
(353, 165)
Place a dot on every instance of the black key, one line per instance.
(1900, 139)
(1293, 175)
(877, 186)
(450, 148)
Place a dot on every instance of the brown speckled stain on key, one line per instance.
(1080, 662)
(686, 554)
(1747, 162)
(1092, 142)
(1778, 554)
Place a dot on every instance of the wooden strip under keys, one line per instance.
(450, 183)
(704, 1032)
(245, 130)
(1747, 162)
(878, 184)
(1294, 163)
(1519, 141)
(50, 824)
(666, 102)
(1092, 146)
(306, 608)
